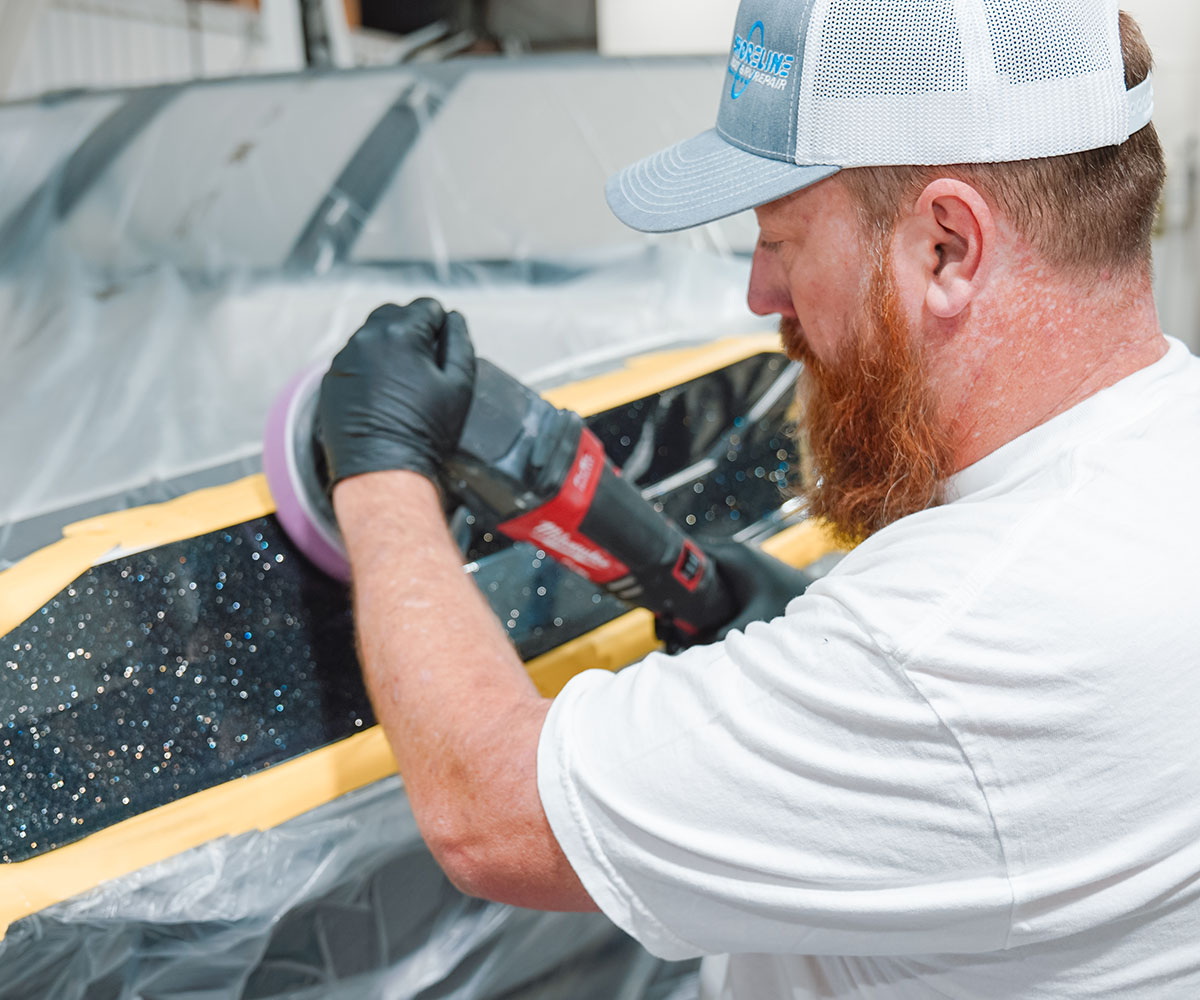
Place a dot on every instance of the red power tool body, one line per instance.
(536, 474)
(542, 477)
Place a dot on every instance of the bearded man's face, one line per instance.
(874, 448)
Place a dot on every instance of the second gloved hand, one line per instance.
(761, 585)
(396, 396)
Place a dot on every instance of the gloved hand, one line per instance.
(761, 585)
(397, 394)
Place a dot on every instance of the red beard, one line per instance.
(876, 450)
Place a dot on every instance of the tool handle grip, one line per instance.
(600, 526)
(540, 476)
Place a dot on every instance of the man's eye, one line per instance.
(771, 246)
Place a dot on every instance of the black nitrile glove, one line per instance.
(760, 584)
(397, 394)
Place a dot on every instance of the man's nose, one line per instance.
(768, 292)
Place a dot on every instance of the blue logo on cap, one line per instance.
(750, 61)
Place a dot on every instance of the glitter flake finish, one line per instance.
(163, 673)
(166, 672)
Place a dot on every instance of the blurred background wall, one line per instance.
(1173, 29)
(54, 45)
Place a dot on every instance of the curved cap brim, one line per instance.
(701, 180)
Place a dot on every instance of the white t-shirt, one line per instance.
(965, 764)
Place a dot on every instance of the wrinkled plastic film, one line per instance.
(342, 902)
(170, 258)
(182, 252)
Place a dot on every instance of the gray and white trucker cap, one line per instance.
(813, 86)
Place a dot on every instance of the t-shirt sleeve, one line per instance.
(785, 791)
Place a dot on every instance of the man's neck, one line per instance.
(1037, 347)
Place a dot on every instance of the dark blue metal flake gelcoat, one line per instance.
(174, 669)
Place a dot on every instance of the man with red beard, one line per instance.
(963, 763)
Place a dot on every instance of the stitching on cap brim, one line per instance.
(701, 180)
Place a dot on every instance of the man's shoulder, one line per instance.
(1055, 530)
(919, 569)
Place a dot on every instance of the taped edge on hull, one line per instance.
(272, 796)
(28, 585)
(284, 791)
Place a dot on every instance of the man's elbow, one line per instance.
(464, 849)
(505, 867)
(463, 859)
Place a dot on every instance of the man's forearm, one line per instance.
(460, 712)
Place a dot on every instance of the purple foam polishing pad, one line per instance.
(289, 463)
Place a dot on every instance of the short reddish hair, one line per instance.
(1080, 212)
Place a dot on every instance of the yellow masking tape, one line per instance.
(284, 791)
(650, 373)
(801, 544)
(627, 639)
(258, 801)
(611, 646)
(194, 514)
(33, 581)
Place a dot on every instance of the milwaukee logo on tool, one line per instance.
(552, 538)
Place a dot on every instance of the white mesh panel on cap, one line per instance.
(1073, 43)
(959, 81)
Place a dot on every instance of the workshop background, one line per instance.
(171, 251)
(49, 46)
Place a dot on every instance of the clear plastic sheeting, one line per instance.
(170, 257)
(541, 195)
(343, 902)
(34, 139)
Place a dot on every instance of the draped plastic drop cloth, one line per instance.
(169, 257)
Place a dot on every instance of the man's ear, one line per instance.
(943, 248)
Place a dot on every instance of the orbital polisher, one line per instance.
(533, 472)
